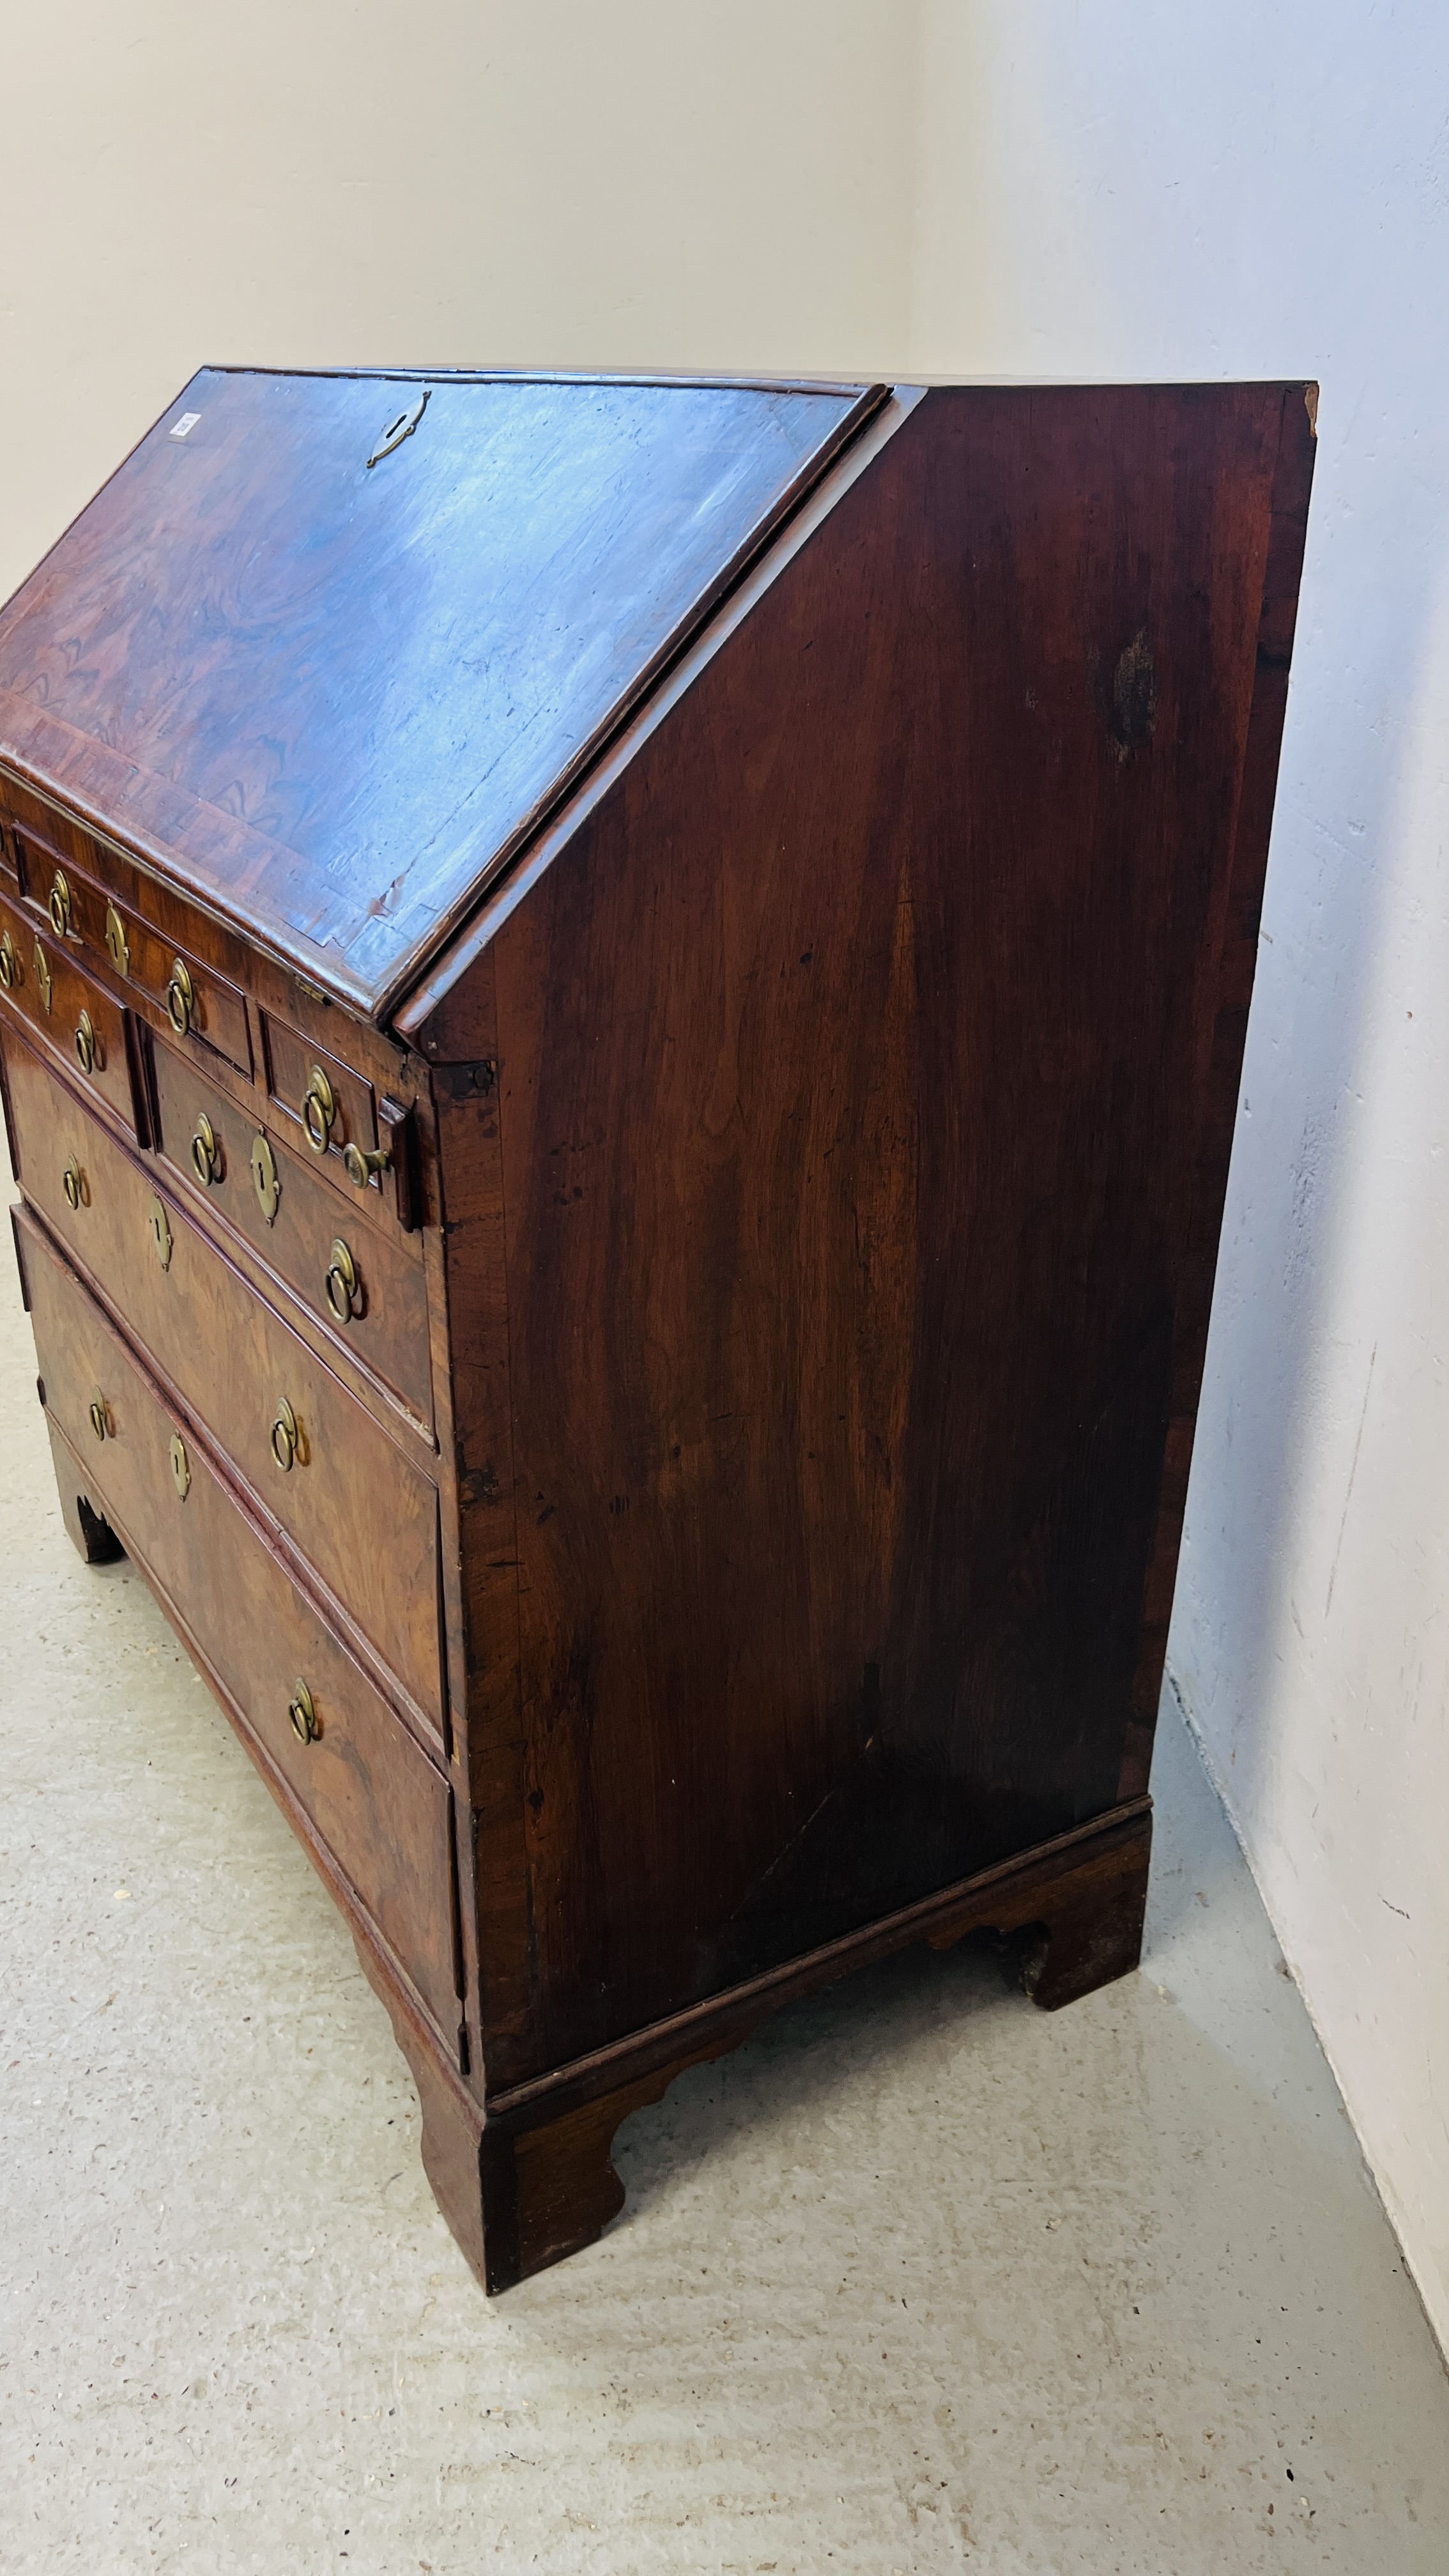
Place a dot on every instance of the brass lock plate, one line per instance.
(118, 947)
(180, 1466)
(43, 985)
(9, 962)
(265, 1180)
(160, 1226)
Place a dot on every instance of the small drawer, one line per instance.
(333, 1106)
(369, 1790)
(40, 978)
(318, 1463)
(199, 1003)
(280, 1204)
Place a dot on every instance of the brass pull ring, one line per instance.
(9, 962)
(206, 1159)
(306, 1724)
(87, 1045)
(100, 1419)
(285, 1437)
(319, 1110)
(180, 997)
(73, 1182)
(118, 947)
(58, 905)
(362, 1167)
(342, 1284)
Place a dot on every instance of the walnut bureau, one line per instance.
(621, 1006)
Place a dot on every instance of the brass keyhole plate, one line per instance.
(118, 947)
(180, 1466)
(265, 1181)
(160, 1230)
(41, 964)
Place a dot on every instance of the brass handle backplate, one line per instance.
(58, 905)
(43, 984)
(160, 1226)
(264, 1177)
(180, 997)
(9, 962)
(343, 1283)
(319, 1110)
(89, 1051)
(99, 1416)
(286, 1437)
(362, 1167)
(75, 1185)
(118, 947)
(306, 1724)
(206, 1155)
(180, 1466)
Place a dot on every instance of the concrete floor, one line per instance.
(919, 2280)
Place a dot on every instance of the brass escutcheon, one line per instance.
(306, 1724)
(9, 962)
(362, 1167)
(118, 947)
(160, 1230)
(180, 999)
(180, 1466)
(286, 1437)
(342, 1284)
(99, 1416)
(264, 1178)
(41, 964)
(87, 1045)
(206, 1159)
(75, 1185)
(58, 905)
(319, 1110)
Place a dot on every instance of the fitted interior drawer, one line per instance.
(42, 981)
(372, 1795)
(363, 1280)
(365, 1515)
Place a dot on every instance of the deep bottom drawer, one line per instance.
(369, 1790)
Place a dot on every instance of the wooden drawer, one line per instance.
(43, 982)
(361, 1512)
(369, 1790)
(200, 1003)
(293, 1065)
(383, 1320)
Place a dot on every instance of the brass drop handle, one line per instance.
(73, 1182)
(362, 1167)
(343, 1284)
(286, 1437)
(9, 962)
(99, 1416)
(180, 997)
(58, 905)
(118, 947)
(319, 1110)
(41, 964)
(87, 1045)
(180, 1466)
(206, 1158)
(306, 1724)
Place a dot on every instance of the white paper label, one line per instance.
(186, 424)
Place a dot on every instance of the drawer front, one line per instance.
(360, 1511)
(382, 1320)
(338, 1111)
(41, 980)
(370, 1791)
(200, 1003)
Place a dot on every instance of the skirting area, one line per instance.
(920, 2279)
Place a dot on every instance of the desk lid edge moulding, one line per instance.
(327, 648)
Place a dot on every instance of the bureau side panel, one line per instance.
(857, 1062)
